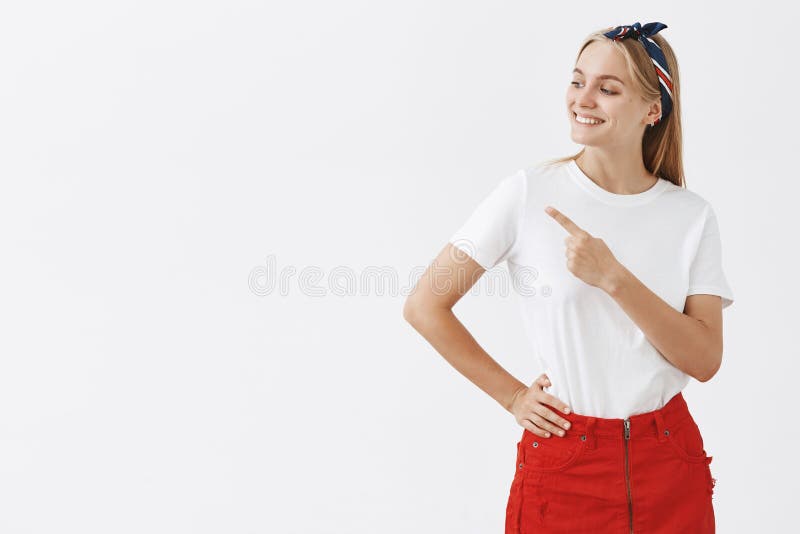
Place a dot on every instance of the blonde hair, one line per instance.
(662, 144)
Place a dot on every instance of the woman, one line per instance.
(618, 269)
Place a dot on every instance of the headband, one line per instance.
(643, 34)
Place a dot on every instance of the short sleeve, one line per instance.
(490, 232)
(706, 275)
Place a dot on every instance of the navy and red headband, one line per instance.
(643, 34)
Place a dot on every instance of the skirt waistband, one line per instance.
(648, 424)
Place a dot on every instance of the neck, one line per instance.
(619, 173)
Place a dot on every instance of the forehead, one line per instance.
(600, 59)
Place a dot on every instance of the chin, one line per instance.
(586, 140)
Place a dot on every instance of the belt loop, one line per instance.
(660, 426)
(590, 437)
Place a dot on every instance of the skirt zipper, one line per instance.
(627, 427)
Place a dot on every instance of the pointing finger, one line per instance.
(564, 221)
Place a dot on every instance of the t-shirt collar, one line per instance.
(608, 197)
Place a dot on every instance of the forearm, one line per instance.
(442, 329)
(683, 340)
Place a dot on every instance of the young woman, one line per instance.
(618, 269)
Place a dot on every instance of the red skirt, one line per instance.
(648, 473)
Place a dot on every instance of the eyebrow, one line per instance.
(602, 76)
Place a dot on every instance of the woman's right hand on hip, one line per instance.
(531, 409)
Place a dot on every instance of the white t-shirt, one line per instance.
(598, 360)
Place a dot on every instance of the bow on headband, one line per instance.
(643, 34)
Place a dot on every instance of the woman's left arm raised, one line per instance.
(691, 341)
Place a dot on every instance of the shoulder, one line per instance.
(687, 202)
(696, 211)
(544, 170)
(543, 174)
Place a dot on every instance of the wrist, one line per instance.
(616, 280)
(514, 396)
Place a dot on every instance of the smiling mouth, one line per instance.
(587, 122)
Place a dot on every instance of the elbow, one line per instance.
(410, 312)
(708, 373)
(418, 314)
(705, 377)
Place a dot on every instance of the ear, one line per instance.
(654, 112)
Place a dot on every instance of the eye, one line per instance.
(604, 90)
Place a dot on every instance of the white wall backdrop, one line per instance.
(195, 195)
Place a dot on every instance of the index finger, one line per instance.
(555, 402)
(553, 416)
(564, 221)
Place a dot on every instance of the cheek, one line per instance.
(627, 108)
(621, 111)
(572, 93)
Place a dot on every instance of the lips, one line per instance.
(588, 124)
(575, 115)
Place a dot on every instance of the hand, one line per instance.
(529, 407)
(588, 257)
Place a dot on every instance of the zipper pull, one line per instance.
(627, 423)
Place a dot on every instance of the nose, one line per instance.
(584, 99)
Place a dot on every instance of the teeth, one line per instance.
(586, 120)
